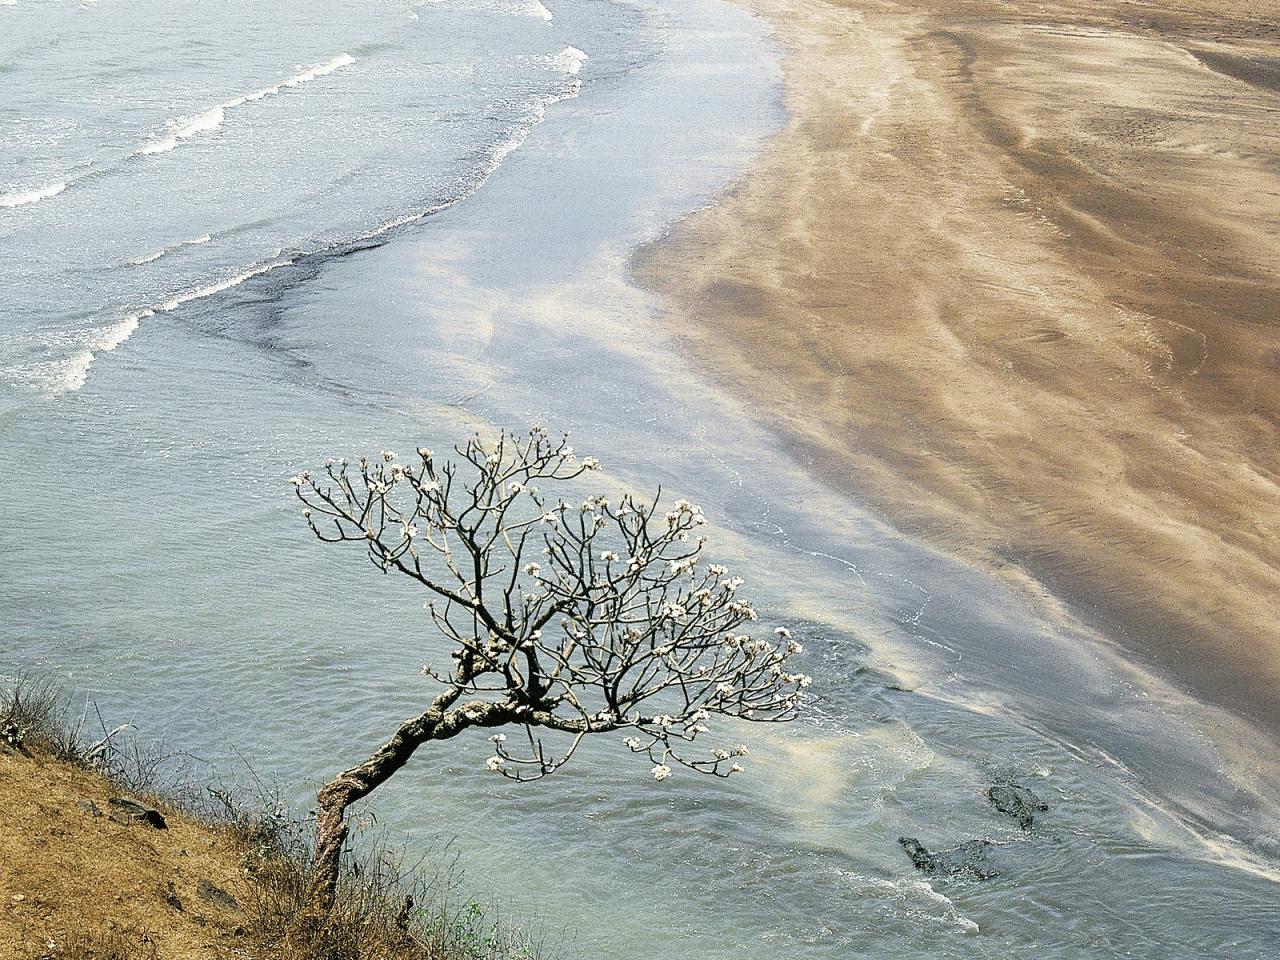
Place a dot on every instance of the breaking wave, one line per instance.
(152, 257)
(70, 374)
(214, 117)
(568, 61)
(19, 198)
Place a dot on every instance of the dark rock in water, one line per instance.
(89, 807)
(967, 861)
(1017, 801)
(216, 895)
(129, 810)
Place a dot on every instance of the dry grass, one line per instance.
(77, 885)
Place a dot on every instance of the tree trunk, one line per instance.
(348, 787)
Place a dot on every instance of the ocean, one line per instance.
(238, 238)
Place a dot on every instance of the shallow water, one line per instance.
(152, 553)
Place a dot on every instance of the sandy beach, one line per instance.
(1009, 274)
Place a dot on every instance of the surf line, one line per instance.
(568, 61)
(213, 118)
(181, 129)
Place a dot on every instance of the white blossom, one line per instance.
(661, 772)
(495, 763)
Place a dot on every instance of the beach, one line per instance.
(886, 346)
(1009, 275)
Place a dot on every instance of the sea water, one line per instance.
(238, 238)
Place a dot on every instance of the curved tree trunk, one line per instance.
(353, 785)
(350, 786)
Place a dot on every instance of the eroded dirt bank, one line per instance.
(1010, 274)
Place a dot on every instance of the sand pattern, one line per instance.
(1009, 274)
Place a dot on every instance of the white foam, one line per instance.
(70, 375)
(8, 3)
(117, 333)
(214, 117)
(538, 10)
(19, 198)
(67, 376)
(324, 69)
(74, 371)
(202, 292)
(569, 60)
(152, 257)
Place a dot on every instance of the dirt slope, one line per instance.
(69, 876)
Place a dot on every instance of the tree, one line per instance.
(565, 620)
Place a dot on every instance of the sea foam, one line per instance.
(70, 374)
(201, 292)
(152, 257)
(568, 61)
(19, 198)
(214, 117)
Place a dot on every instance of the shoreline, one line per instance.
(1026, 325)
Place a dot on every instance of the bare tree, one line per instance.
(566, 620)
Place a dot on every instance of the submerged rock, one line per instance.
(1017, 801)
(967, 861)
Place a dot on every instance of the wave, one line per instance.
(19, 198)
(569, 60)
(201, 292)
(214, 117)
(73, 372)
(152, 257)
(538, 10)
(68, 375)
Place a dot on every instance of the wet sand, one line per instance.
(1010, 274)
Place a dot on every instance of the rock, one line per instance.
(171, 897)
(216, 895)
(89, 807)
(967, 861)
(133, 810)
(1017, 801)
